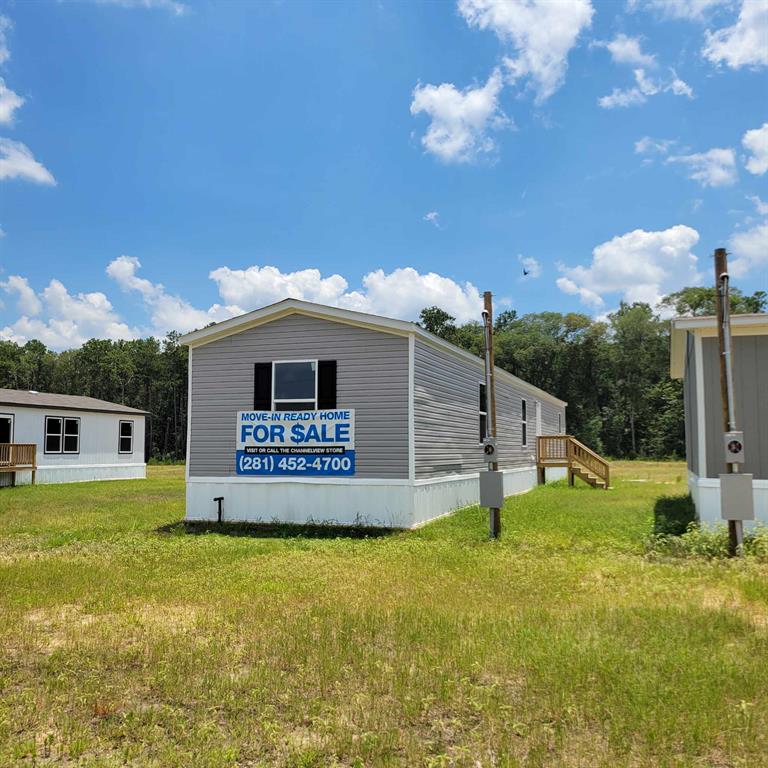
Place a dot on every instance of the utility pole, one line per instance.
(735, 527)
(490, 395)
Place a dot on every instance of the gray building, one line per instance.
(409, 406)
(695, 359)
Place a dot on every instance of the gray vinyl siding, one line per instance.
(689, 401)
(446, 416)
(372, 378)
(750, 378)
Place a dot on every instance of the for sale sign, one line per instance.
(295, 443)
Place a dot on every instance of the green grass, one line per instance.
(126, 639)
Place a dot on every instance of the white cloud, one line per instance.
(167, 311)
(679, 87)
(5, 25)
(760, 206)
(69, 320)
(460, 120)
(402, 293)
(750, 249)
(756, 143)
(27, 302)
(63, 321)
(649, 146)
(693, 10)
(179, 9)
(17, 162)
(626, 50)
(745, 43)
(541, 32)
(530, 265)
(9, 103)
(638, 266)
(622, 97)
(433, 217)
(714, 168)
(644, 88)
(256, 286)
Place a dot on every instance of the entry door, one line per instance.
(6, 428)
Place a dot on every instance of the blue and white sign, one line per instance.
(296, 443)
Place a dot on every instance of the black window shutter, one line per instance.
(326, 384)
(262, 387)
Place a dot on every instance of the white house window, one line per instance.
(483, 413)
(62, 434)
(559, 423)
(126, 437)
(294, 385)
(524, 421)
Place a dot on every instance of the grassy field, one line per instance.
(127, 640)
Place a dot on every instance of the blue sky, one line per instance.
(163, 164)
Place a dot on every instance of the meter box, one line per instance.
(734, 447)
(489, 449)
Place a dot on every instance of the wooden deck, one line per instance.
(18, 457)
(567, 451)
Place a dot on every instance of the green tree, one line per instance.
(700, 300)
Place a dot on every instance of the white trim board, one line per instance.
(701, 421)
(348, 481)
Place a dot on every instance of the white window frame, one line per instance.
(12, 418)
(295, 399)
(62, 435)
(485, 412)
(120, 435)
(524, 421)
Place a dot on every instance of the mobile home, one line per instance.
(50, 438)
(695, 358)
(300, 412)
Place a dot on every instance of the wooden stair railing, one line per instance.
(18, 457)
(581, 461)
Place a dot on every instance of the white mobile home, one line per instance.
(695, 358)
(49, 438)
(300, 412)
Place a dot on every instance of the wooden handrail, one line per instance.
(18, 454)
(566, 450)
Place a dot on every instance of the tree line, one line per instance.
(149, 374)
(614, 373)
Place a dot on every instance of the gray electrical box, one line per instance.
(734, 447)
(736, 497)
(489, 449)
(492, 489)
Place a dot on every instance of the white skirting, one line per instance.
(342, 501)
(705, 492)
(74, 473)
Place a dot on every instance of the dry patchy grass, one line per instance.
(127, 641)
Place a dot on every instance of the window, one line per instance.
(125, 441)
(559, 423)
(62, 434)
(483, 413)
(294, 385)
(524, 421)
